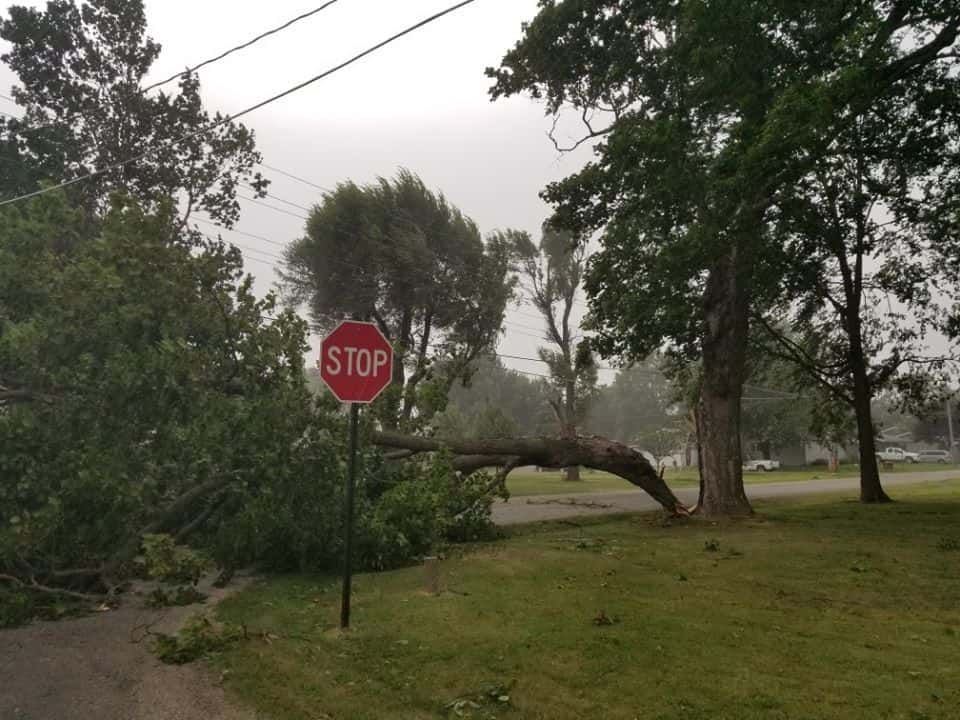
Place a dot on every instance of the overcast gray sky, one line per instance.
(420, 103)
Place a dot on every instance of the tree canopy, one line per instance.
(705, 116)
(400, 255)
(81, 67)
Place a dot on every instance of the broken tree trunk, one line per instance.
(592, 452)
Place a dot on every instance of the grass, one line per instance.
(529, 482)
(818, 608)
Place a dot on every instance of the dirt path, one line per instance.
(554, 507)
(93, 667)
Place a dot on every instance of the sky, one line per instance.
(421, 103)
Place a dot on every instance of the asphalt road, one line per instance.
(534, 508)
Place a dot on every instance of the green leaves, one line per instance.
(80, 66)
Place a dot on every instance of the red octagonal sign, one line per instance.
(356, 361)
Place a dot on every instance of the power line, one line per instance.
(294, 177)
(277, 198)
(237, 48)
(239, 232)
(248, 110)
(272, 207)
(7, 97)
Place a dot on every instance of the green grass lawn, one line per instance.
(818, 608)
(529, 482)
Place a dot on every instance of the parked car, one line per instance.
(895, 455)
(761, 465)
(934, 456)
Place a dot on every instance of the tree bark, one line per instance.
(593, 452)
(871, 491)
(572, 472)
(726, 307)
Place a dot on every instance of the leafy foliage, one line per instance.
(80, 66)
(121, 356)
(164, 560)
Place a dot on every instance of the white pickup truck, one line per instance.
(761, 465)
(895, 455)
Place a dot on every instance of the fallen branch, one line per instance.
(37, 587)
(592, 452)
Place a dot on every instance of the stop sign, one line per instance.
(356, 361)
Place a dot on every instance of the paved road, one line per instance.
(553, 507)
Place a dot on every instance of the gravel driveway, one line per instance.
(554, 507)
(94, 668)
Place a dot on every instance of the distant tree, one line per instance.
(81, 67)
(638, 402)
(551, 273)
(494, 397)
(397, 254)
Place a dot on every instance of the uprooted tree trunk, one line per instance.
(592, 452)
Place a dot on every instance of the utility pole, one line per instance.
(953, 447)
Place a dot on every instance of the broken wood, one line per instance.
(592, 452)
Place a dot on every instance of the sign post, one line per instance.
(356, 363)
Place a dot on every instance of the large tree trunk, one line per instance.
(871, 491)
(571, 473)
(593, 452)
(724, 363)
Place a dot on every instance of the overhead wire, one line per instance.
(271, 207)
(243, 46)
(246, 111)
(293, 177)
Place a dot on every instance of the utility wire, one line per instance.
(239, 232)
(248, 110)
(237, 48)
(278, 198)
(7, 97)
(272, 207)
(293, 177)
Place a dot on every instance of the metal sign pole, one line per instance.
(348, 517)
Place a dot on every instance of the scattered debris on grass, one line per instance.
(198, 637)
(183, 595)
(481, 704)
(948, 544)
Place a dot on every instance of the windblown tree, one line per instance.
(550, 275)
(81, 69)
(701, 113)
(397, 254)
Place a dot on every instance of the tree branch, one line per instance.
(593, 452)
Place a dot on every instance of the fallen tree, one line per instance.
(592, 452)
